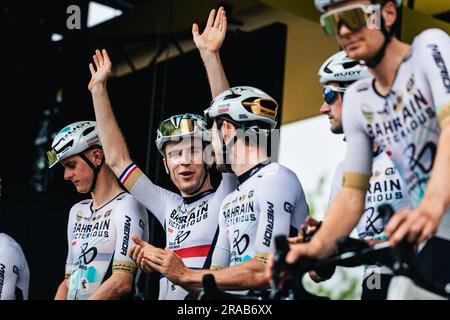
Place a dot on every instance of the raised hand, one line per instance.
(212, 37)
(102, 70)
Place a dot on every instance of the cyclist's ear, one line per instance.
(389, 13)
(165, 165)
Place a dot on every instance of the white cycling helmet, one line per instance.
(181, 125)
(322, 5)
(245, 106)
(340, 68)
(73, 139)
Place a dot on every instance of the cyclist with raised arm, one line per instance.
(190, 218)
(404, 108)
(99, 229)
(14, 272)
(385, 186)
(268, 201)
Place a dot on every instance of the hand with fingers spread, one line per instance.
(416, 225)
(141, 251)
(310, 228)
(102, 70)
(212, 37)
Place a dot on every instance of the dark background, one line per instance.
(34, 69)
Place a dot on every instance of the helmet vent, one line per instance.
(88, 130)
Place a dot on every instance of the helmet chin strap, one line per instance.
(95, 169)
(378, 57)
(226, 147)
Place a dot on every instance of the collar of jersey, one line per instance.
(92, 210)
(189, 200)
(249, 173)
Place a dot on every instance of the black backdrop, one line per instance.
(38, 220)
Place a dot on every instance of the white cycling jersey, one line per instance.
(269, 201)
(406, 122)
(98, 243)
(385, 187)
(191, 223)
(14, 272)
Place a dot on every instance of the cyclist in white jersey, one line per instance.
(268, 201)
(190, 219)
(385, 186)
(14, 271)
(99, 229)
(404, 108)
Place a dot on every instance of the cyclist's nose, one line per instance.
(344, 30)
(325, 108)
(68, 174)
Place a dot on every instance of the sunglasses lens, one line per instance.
(329, 95)
(183, 126)
(353, 18)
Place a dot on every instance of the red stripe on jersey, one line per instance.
(193, 252)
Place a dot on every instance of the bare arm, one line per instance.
(117, 156)
(208, 44)
(114, 288)
(61, 293)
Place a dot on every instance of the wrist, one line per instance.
(432, 206)
(209, 56)
(98, 87)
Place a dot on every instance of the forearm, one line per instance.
(113, 289)
(61, 293)
(116, 153)
(340, 220)
(239, 277)
(216, 74)
(437, 194)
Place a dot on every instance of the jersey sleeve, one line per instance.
(336, 184)
(9, 271)
(282, 204)
(154, 198)
(358, 160)
(70, 239)
(221, 255)
(24, 278)
(433, 47)
(129, 219)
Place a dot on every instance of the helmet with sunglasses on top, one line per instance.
(245, 107)
(343, 70)
(180, 126)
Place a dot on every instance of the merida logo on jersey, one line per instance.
(84, 231)
(411, 115)
(440, 63)
(2, 277)
(126, 235)
(269, 226)
(181, 220)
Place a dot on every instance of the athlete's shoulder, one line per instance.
(127, 204)
(8, 243)
(277, 172)
(429, 36)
